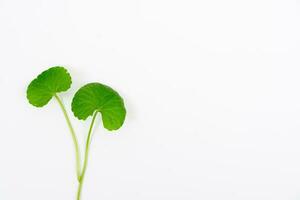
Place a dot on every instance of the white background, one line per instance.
(212, 90)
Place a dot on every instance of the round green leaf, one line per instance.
(98, 97)
(47, 84)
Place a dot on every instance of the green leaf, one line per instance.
(98, 97)
(47, 84)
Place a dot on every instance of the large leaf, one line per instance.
(98, 97)
(47, 84)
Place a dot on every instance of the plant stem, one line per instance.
(86, 155)
(75, 141)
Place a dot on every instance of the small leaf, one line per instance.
(101, 98)
(47, 84)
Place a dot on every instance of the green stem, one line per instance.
(75, 141)
(86, 155)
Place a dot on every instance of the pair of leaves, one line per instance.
(92, 97)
